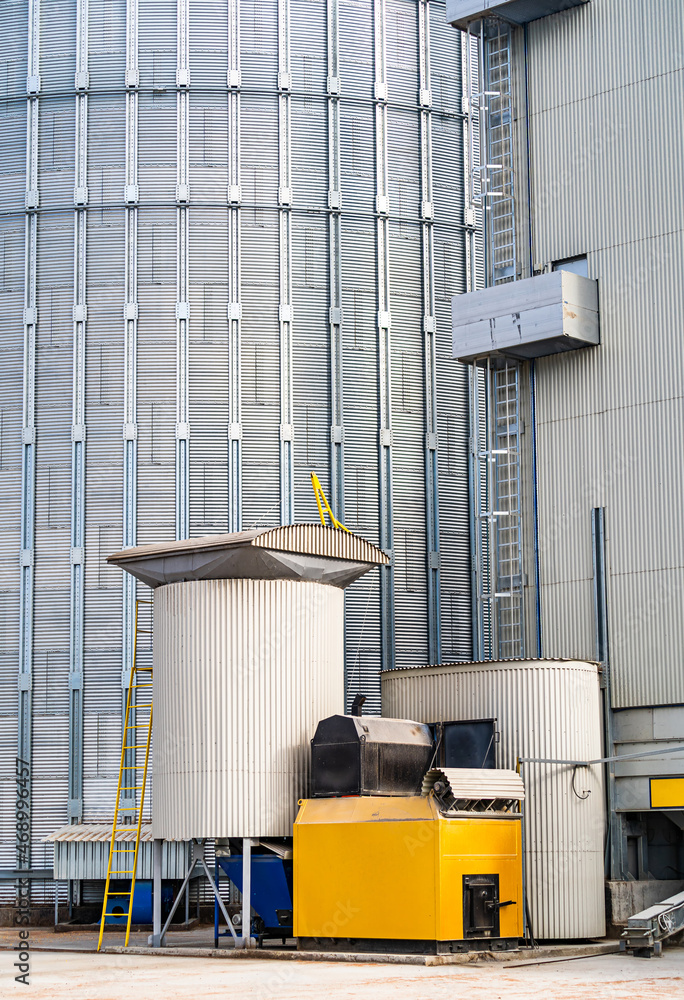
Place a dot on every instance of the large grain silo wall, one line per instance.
(229, 237)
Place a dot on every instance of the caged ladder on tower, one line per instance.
(130, 791)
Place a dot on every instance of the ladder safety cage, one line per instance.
(494, 396)
(132, 783)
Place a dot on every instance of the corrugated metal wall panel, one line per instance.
(544, 709)
(106, 43)
(89, 860)
(613, 413)
(234, 708)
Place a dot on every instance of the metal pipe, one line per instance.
(602, 760)
(156, 893)
(247, 941)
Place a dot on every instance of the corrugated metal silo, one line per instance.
(549, 710)
(230, 234)
(248, 658)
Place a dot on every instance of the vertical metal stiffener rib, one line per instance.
(234, 196)
(130, 318)
(28, 431)
(285, 308)
(334, 88)
(78, 429)
(384, 336)
(429, 336)
(182, 300)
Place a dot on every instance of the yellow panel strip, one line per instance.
(667, 793)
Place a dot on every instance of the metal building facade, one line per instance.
(595, 191)
(229, 232)
(614, 413)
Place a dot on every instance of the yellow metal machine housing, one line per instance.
(388, 873)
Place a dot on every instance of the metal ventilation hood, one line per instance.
(294, 552)
(459, 12)
(532, 318)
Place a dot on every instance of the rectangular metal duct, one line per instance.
(459, 12)
(548, 314)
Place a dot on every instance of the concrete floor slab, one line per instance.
(79, 976)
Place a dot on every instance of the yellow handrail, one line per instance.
(322, 502)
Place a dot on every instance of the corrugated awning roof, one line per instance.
(96, 831)
(311, 552)
(469, 784)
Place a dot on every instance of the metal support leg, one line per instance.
(217, 876)
(156, 893)
(247, 941)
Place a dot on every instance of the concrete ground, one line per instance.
(73, 971)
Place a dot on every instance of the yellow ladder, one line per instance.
(137, 733)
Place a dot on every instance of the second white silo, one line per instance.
(546, 710)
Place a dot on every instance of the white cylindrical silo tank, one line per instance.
(548, 710)
(248, 650)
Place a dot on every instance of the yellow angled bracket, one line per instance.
(323, 504)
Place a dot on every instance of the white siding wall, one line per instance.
(606, 92)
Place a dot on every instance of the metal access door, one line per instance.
(480, 906)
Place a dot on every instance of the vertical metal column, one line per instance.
(247, 941)
(429, 335)
(598, 537)
(334, 88)
(182, 303)
(130, 318)
(285, 307)
(28, 428)
(157, 850)
(384, 337)
(78, 429)
(234, 197)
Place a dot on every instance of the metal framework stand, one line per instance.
(156, 940)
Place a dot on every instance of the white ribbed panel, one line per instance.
(544, 709)
(243, 672)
